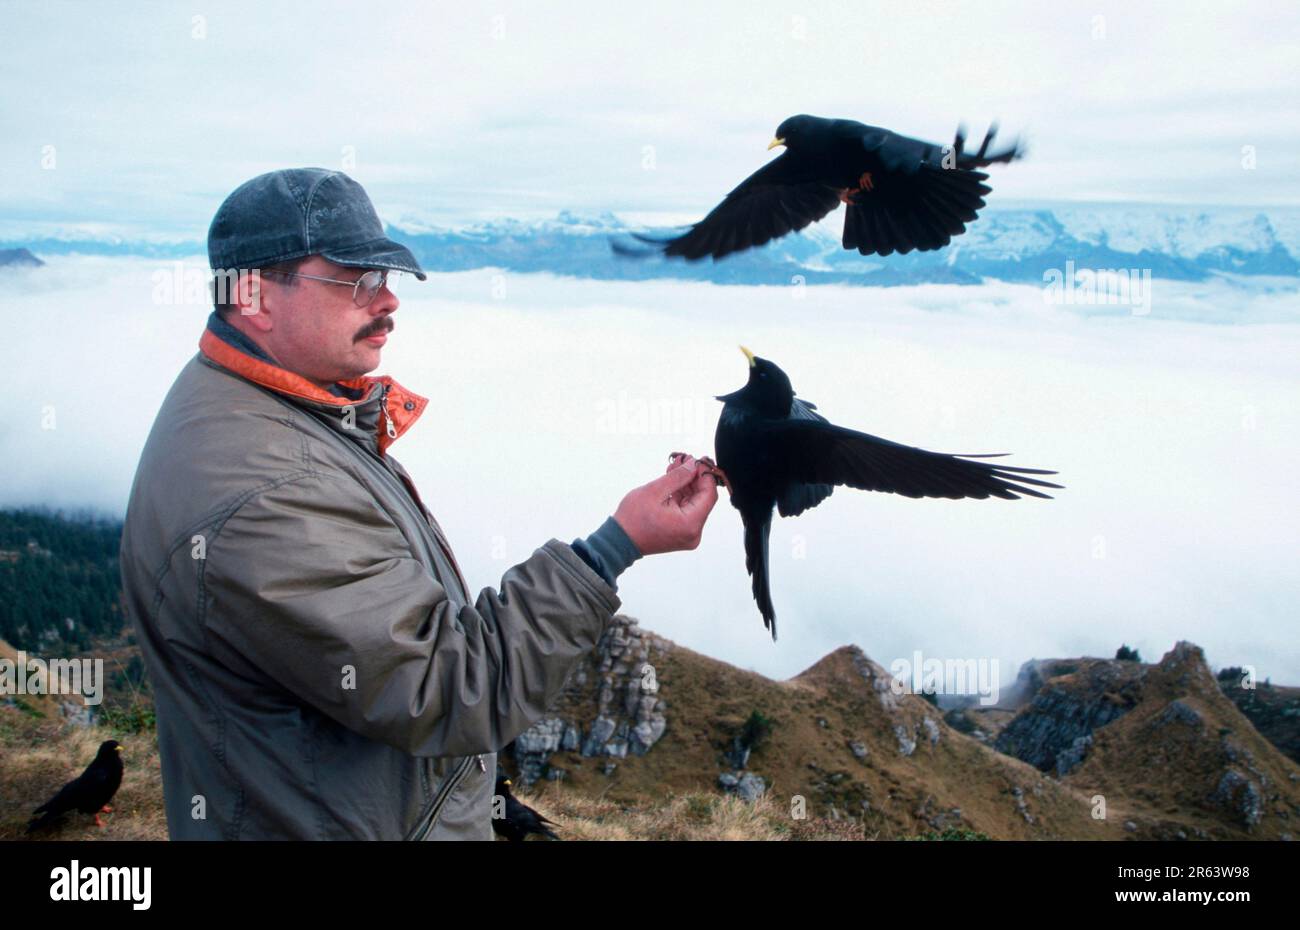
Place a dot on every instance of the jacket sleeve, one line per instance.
(316, 587)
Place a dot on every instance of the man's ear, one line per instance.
(251, 298)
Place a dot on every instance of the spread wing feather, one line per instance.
(775, 200)
(820, 453)
(795, 498)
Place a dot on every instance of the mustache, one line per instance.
(382, 325)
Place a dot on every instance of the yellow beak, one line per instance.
(774, 143)
(749, 355)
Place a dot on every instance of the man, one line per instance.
(320, 668)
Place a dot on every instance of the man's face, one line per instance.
(315, 328)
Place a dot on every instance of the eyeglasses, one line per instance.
(364, 288)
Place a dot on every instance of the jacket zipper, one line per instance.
(388, 420)
(433, 809)
(438, 534)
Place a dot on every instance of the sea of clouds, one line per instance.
(1175, 432)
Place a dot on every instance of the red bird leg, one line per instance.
(718, 474)
(864, 184)
(99, 823)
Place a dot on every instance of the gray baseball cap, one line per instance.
(297, 212)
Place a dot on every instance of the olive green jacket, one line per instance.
(320, 669)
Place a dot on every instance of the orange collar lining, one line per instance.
(403, 407)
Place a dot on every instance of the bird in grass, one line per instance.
(519, 819)
(901, 193)
(775, 451)
(89, 792)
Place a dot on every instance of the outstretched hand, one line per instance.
(668, 514)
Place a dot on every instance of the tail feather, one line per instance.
(41, 822)
(756, 563)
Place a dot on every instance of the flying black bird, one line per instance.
(901, 193)
(520, 819)
(776, 451)
(89, 792)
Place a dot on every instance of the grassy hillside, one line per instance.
(649, 740)
(41, 749)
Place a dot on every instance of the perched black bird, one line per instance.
(89, 792)
(775, 451)
(520, 819)
(902, 193)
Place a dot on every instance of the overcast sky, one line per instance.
(140, 117)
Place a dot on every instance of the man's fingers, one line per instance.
(668, 513)
(677, 459)
(702, 496)
(676, 479)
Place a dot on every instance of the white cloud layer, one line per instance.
(1175, 439)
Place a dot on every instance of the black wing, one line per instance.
(527, 820)
(797, 497)
(96, 783)
(777, 199)
(67, 799)
(905, 155)
(923, 194)
(821, 453)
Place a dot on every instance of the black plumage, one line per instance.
(520, 820)
(777, 452)
(901, 193)
(89, 792)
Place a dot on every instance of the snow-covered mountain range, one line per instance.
(1020, 245)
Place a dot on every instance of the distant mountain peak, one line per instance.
(19, 258)
(1025, 245)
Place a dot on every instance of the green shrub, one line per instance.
(134, 718)
(756, 729)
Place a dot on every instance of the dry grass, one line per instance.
(688, 817)
(950, 787)
(40, 754)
